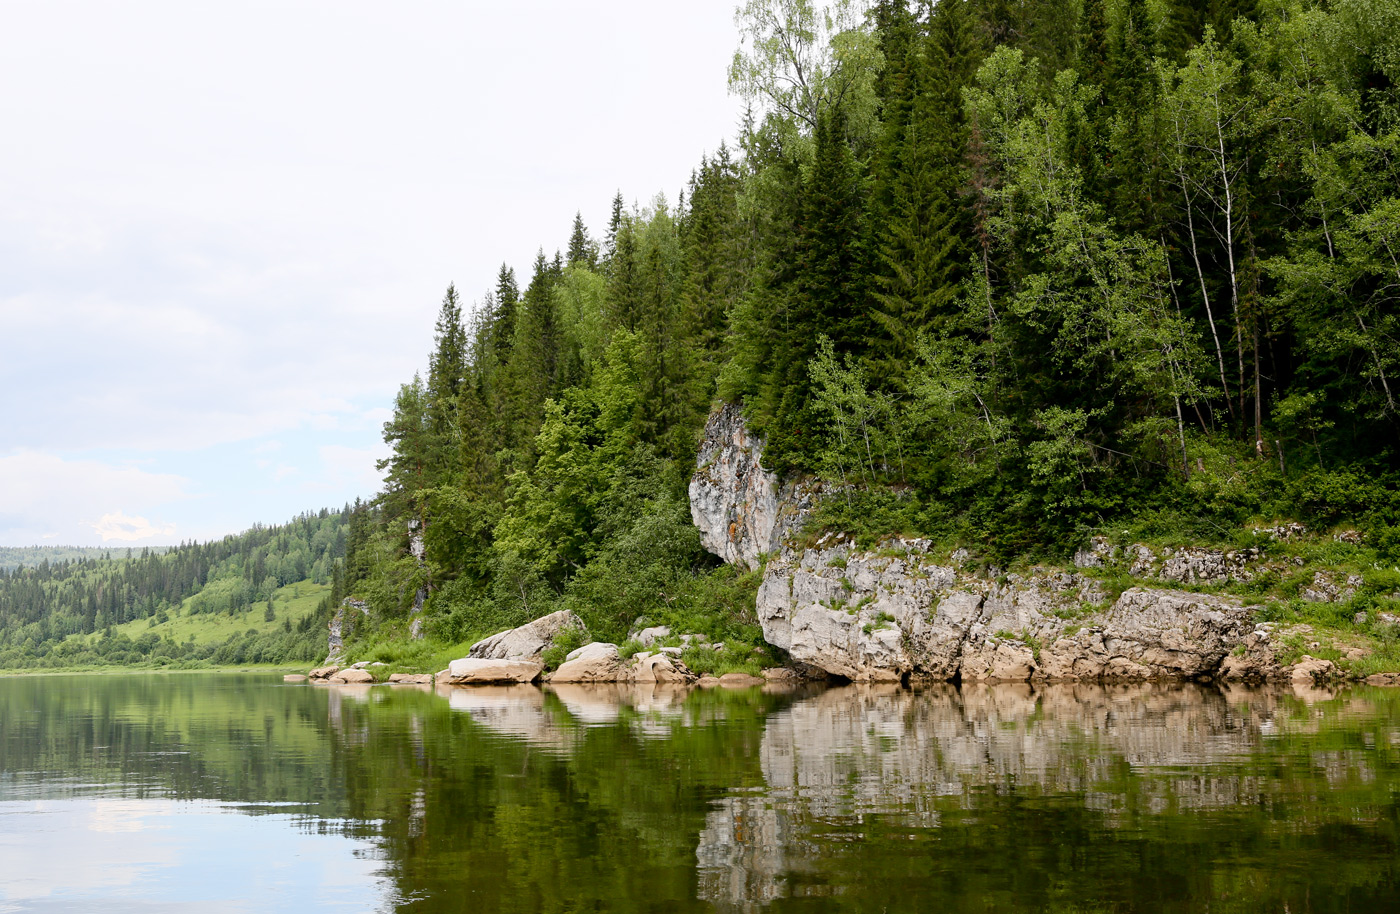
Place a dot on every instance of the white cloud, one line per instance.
(379, 415)
(353, 465)
(46, 496)
(118, 526)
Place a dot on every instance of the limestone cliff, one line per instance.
(740, 508)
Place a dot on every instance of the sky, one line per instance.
(226, 229)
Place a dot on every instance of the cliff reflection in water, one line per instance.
(1137, 797)
(860, 798)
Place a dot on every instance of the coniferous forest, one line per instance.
(1005, 274)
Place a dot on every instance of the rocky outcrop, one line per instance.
(472, 671)
(1177, 565)
(739, 507)
(899, 612)
(528, 641)
(341, 623)
(1269, 652)
(895, 613)
(1326, 589)
(1147, 634)
(602, 662)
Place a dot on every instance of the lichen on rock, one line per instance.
(741, 510)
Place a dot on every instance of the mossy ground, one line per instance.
(1359, 631)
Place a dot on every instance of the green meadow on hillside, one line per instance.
(291, 604)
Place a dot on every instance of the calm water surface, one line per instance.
(238, 793)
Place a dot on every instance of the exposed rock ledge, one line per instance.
(895, 614)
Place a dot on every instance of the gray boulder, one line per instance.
(353, 676)
(660, 667)
(528, 641)
(649, 637)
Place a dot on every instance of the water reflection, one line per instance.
(122, 854)
(861, 798)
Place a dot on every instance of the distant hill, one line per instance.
(261, 596)
(11, 557)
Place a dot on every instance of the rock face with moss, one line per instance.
(897, 612)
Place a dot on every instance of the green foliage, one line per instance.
(564, 643)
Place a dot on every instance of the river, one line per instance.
(236, 792)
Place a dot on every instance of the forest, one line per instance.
(1003, 274)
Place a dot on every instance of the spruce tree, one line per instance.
(830, 294)
(447, 367)
(582, 250)
(624, 286)
(895, 88)
(507, 301)
(1133, 199)
(924, 245)
(614, 226)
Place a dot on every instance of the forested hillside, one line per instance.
(75, 612)
(1004, 273)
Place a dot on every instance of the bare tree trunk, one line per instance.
(1380, 368)
(1205, 299)
(1258, 398)
(1230, 257)
(1181, 435)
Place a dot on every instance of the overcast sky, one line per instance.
(225, 229)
